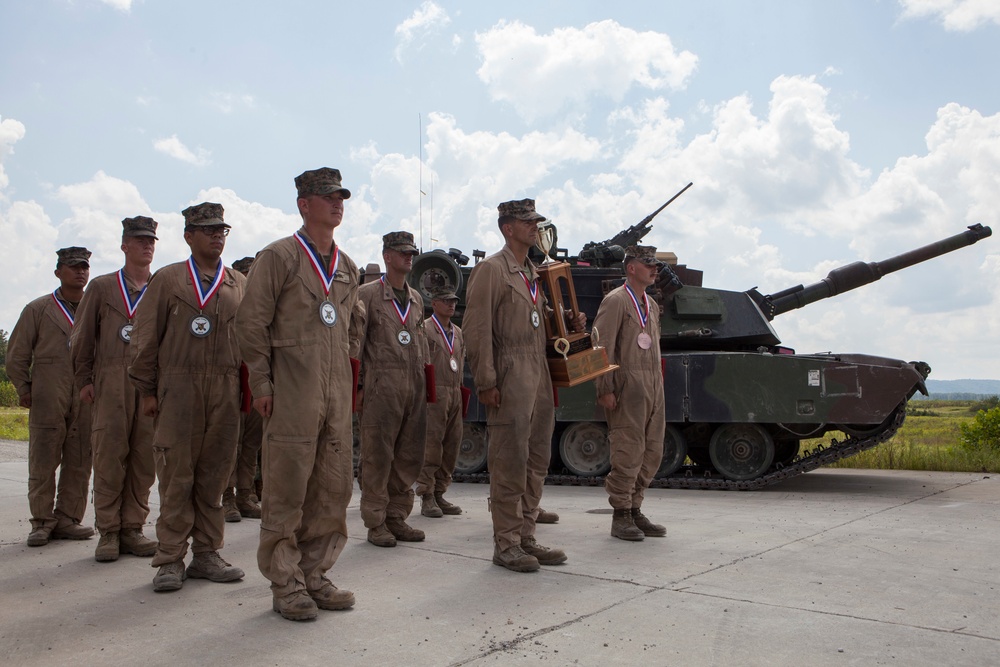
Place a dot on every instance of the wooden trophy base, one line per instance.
(580, 367)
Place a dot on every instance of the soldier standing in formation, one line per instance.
(121, 436)
(394, 401)
(505, 341)
(632, 396)
(294, 329)
(186, 367)
(444, 417)
(39, 366)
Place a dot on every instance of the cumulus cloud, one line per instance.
(428, 19)
(176, 149)
(956, 15)
(120, 5)
(541, 74)
(11, 132)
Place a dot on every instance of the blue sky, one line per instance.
(816, 134)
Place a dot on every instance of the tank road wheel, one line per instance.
(472, 451)
(584, 449)
(675, 450)
(741, 451)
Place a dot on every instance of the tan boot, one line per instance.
(328, 596)
(546, 517)
(403, 531)
(169, 577)
(38, 537)
(67, 529)
(448, 508)
(296, 606)
(429, 507)
(210, 565)
(514, 559)
(107, 548)
(381, 537)
(648, 528)
(132, 541)
(229, 510)
(247, 504)
(623, 528)
(544, 555)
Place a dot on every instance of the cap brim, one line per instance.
(75, 262)
(143, 233)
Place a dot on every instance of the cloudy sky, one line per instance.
(816, 134)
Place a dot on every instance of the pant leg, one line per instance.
(408, 458)
(216, 455)
(539, 454)
(139, 470)
(433, 448)
(77, 462)
(44, 454)
(654, 430)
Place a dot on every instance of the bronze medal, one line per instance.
(644, 340)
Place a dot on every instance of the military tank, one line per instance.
(738, 402)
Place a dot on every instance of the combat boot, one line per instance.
(546, 517)
(403, 531)
(67, 529)
(296, 606)
(132, 541)
(247, 504)
(210, 565)
(38, 537)
(623, 528)
(429, 507)
(328, 596)
(543, 555)
(229, 509)
(514, 559)
(108, 547)
(169, 577)
(446, 507)
(648, 528)
(381, 537)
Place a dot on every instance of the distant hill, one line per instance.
(962, 390)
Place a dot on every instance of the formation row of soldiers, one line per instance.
(140, 375)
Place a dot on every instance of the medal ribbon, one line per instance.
(317, 263)
(450, 342)
(126, 299)
(202, 295)
(63, 308)
(635, 302)
(403, 314)
(532, 288)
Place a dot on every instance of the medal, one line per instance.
(532, 286)
(404, 337)
(643, 340)
(125, 332)
(449, 342)
(454, 365)
(535, 319)
(327, 311)
(201, 326)
(62, 307)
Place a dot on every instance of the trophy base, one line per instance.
(579, 368)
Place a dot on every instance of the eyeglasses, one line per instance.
(210, 231)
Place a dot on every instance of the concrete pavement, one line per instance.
(837, 567)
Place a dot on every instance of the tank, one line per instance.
(738, 402)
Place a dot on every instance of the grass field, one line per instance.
(13, 424)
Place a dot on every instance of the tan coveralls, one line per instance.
(38, 361)
(394, 415)
(122, 438)
(247, 448)
(507, 352)
(196, 381)
(444, 417)
(307, 442)
(636, 426)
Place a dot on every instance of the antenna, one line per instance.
(420, 177)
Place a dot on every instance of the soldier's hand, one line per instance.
(263, 405)
(149, 406)
(25, 401)
(579, 322)
(608, 402)
(87, 394)
(490, 397)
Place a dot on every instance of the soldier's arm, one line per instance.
(84, 341)
(608, 323)
(150, 322)
(357, 324)
(480, 300)
(19, 352)
(254, 317)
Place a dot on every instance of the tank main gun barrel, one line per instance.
(858, 274)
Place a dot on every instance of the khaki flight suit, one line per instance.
(121, 437)
(307, 443)
(247, 448)
(507, 352)
(196, 381)
(444, 418)
(394, 414)
(38, 361)
(636, 426)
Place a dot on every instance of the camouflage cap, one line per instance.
(243, 265)
(642, 253)
(140, 225)
(401, 241)
(522, 209)
(205, 214)
(72, 256)
(322, 181)
(443, 293)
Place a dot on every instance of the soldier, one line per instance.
(394, 400)
(444, 417)
(39, 366)
(244, 503)
(506, 346)
(632, 396)
(186, 367)
(296, 333)
(121, 436)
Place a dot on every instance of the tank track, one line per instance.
(691, 477)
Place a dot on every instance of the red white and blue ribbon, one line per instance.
(403, 314)
(204, 295)
(450, 342)
(130, 306)
(638, 311)
(317, 263)
(62, 307)
(532, 288)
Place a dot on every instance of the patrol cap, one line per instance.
(140, 225)
(522, 209)
(443, 293)
(205, 214)
(243, 265)
(73, 256)
(400, 241)
(645, 254)
(322, 181)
